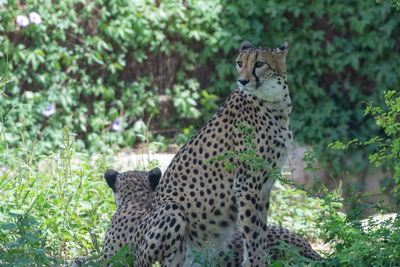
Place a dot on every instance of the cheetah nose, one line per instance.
(243, 81)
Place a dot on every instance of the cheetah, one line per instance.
(136, 222)
(214, 200)
(134, 193)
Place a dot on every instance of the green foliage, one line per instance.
(182, 138)
(292, 257)
(295, 210)
(209, 257)
(372, 242)
(28, 242)
(356, 243)
(185, 100)
(387, 148)
(54, 207)
(396, 3)
(124, 257)
(101, 60)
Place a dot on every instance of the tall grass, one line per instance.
(52, 207)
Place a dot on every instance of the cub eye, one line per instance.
(239, 63)
(259, 64)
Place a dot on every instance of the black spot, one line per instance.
(223, 223)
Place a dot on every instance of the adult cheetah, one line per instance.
(214, 201)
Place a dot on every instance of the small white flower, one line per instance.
(35, 18)
(29, 94)
(22, 20)
(116, 126)
(50, 110)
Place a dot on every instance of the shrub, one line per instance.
(92, 62)
(386, 148)
(54, 209)
(355, 244)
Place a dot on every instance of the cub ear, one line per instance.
(154, 177)
(283, 48)
(111, 177)
(244, 45)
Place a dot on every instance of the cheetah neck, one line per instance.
(141, 197)
(274, 93)
(281, 107)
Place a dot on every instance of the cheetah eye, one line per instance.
(239, 63)
(259, 64)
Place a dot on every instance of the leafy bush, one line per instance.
(387, 148)
(370, 242)
(75, 63)
(57, 207)
(295, 210)
(29, 242)
(355, 244)
(92, 62)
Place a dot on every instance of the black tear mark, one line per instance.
(269, 66)
(254, 72)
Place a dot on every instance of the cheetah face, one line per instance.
(262, 71)
(131, 185)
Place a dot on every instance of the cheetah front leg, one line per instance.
(252, 218)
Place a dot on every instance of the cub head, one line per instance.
(262, 71)
(132, 186)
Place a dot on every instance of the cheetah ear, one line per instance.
(283, 48)
(154, 177)
(111, 177)
(244, 45)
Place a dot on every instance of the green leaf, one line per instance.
(8, 226)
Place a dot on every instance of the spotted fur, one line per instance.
(136, 223)
(155, 233)
(209, 201)
(216, 201)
